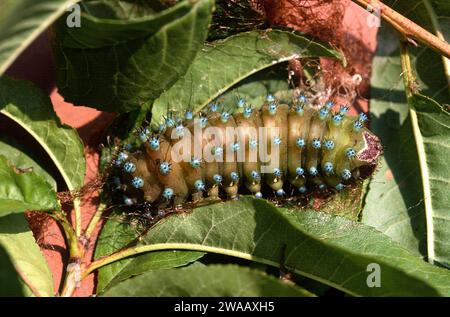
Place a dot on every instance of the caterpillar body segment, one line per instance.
(281, 149)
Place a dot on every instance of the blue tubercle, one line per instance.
(258, 195)
(179, 130)
(299, 171)
(358, 125)
(217, 178)
(188, 115)
(300, 142)
(280, 192)
(165, 168)
(339, 187)
(270, 98)
(277, 172)
(363, 117)
(129, 167)
(302, 99)
(199, 185)
(168, 193)
(253, 143)
(302, 189)
(276, 140)
(121, 157)
(337, 118)
(137, 182)
(248, 112)
(329, 104)
(202, 121)
(224, 116)
(170, 122)
(213, 107)
(235, 147)
(255, 175)
(322, 186)
(241, 103)
(217, 151)
(234, 176)
(195, 162)
(313, 171)
(161, 128)
(323, 113)
(328, 144)
(346, 174)
(328, 167)
(351, 153)
(343, 109)
(143, 135)
(154, 143)
(128, 147)
(316, 143)
(299, 109)
(273, 108)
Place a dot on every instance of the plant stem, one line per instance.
(77, 209)
(95, 219)
(70, 235)
(72, 278)
(408, 28)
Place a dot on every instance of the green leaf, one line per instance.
(398, 202)
(212, 280)
(23, 191)
(394, 202)
(9, 279)
(117, 234)
(24, 103)
(31, 269)
(330, 249)
(432, 133)
(21, 21)
(21, 157)
(118, 64)
(224, 63)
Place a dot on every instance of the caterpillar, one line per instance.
(283, 150)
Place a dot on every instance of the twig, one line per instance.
(408, 28)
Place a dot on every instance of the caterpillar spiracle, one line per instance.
(279, 150)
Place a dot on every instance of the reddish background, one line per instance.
(36, 64)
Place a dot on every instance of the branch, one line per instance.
(408, 28)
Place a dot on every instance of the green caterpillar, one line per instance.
(281, 150)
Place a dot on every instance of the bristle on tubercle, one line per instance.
(277, 151)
